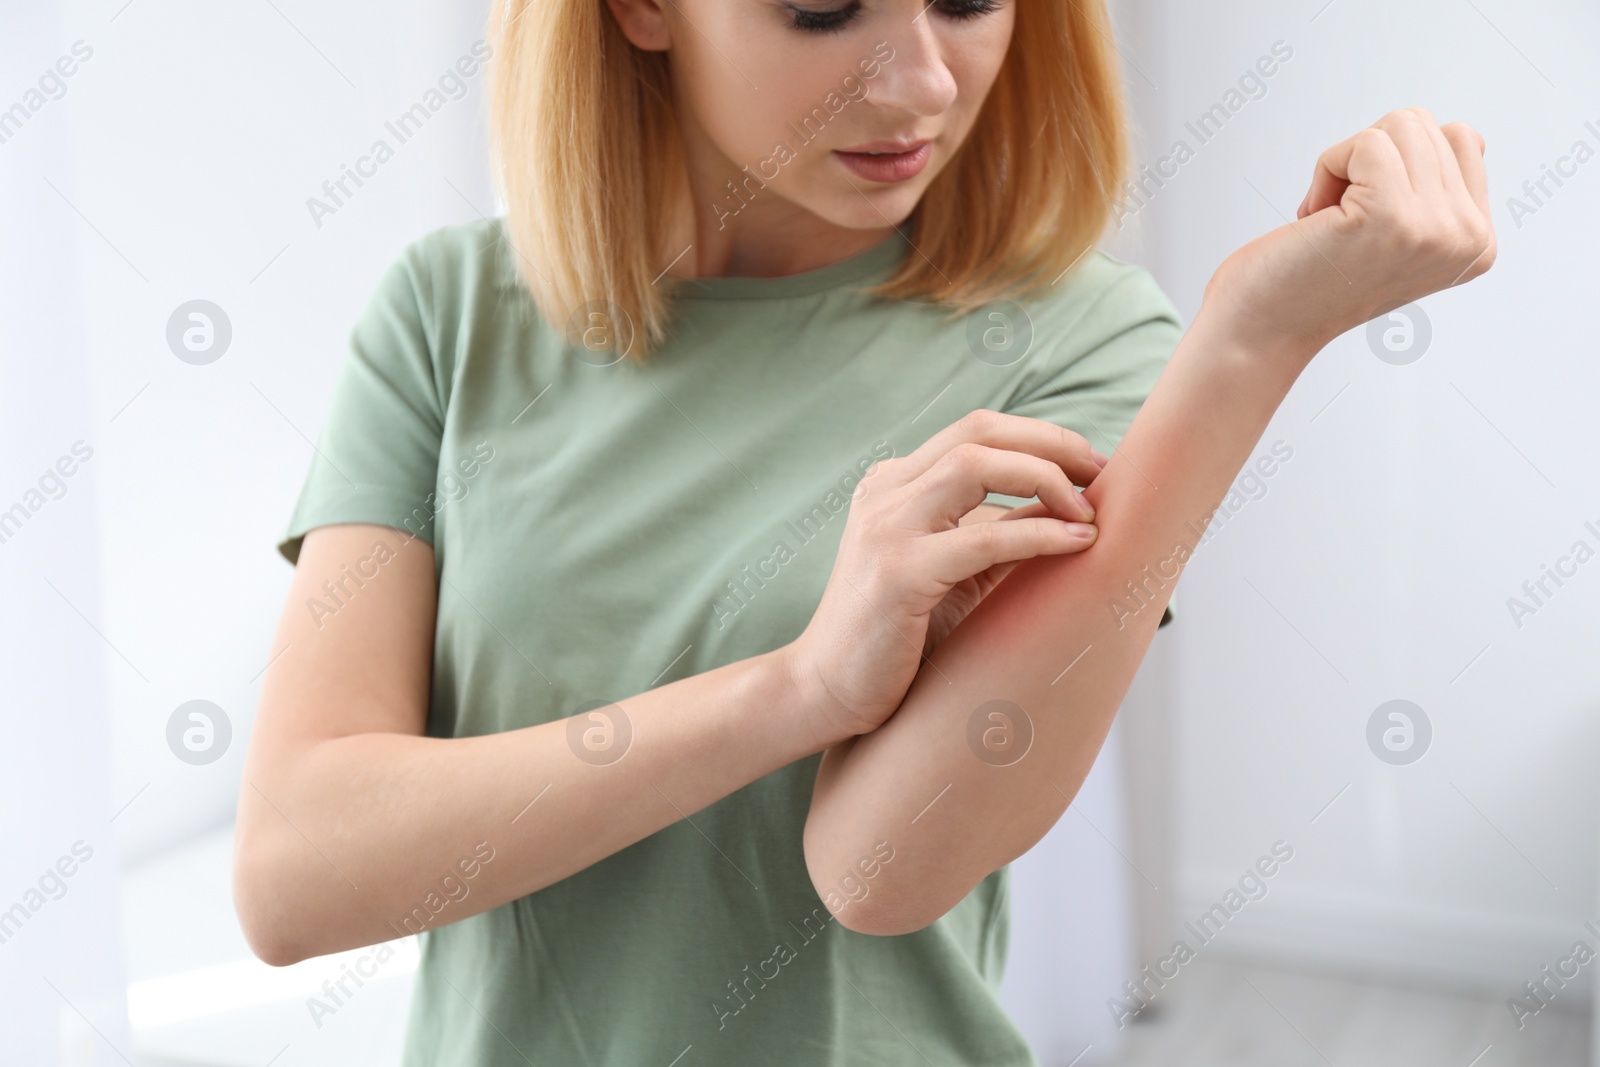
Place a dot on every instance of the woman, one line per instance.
(647, 649)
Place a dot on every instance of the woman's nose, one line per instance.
(915, 78)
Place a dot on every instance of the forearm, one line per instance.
(372, 836)
(1061, 638)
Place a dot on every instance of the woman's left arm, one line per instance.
(1005, 719)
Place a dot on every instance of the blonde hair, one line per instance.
(589, 164)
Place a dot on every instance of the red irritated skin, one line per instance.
(1396, 212)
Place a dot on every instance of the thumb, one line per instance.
(1368, 158)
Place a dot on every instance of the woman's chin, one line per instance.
(868, 208)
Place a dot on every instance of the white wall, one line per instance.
(202, 130)
(173, 163)
(61, 992)
(1418, 499)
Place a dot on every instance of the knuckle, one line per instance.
(1438, 236)
(1477, 229)
(876, 471)
(1372, 139)
(988, 537)
(980, 420)
(964, 459)
(1461, 136)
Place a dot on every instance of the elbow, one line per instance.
(881, 909)
(862, 892)
(259, 901)
(270, 942)
(272, 950)
(879, 917)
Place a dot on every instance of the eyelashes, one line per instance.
(829, 21)
(823, 21)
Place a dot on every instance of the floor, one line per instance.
(1227, 1014)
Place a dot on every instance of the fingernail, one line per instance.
(1084, 530)
(1099, 457)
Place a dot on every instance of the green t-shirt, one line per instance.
(600, 530)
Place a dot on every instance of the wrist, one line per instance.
(807, 700)
(1261, 343)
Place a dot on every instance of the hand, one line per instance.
(903, 552)
(1394, 213)
(969, 592)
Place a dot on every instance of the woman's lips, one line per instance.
(889, 166)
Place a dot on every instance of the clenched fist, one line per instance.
(1394, 213)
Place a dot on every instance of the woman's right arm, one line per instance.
(349, 817)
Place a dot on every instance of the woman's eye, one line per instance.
(812, 21)
(823, 21)
(968, 9)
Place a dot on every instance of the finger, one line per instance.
(1408, 131)
(1015, 433)
(987, 512)
(1037, 509)
(1327, 187)
(1368, 158)
(1449, 166)
(956, 555)
(963, 477)
(1468, 146)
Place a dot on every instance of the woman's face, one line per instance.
(786, 98)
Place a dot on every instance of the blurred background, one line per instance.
(1355, 781)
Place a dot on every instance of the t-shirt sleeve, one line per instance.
(1094, 373)
(377, 457)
